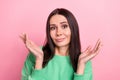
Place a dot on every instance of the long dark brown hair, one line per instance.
(74, 46)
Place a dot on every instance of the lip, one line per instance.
(60, 40)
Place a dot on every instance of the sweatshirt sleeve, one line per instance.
(28, 70)
(87, 73)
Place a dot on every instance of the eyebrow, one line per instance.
(63, 22)
(60, 23)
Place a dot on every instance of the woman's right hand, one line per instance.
(32, 47)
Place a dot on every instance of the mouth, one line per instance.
(60, 40)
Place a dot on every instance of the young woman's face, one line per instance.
(60, 31)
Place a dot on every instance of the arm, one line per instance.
(86, 72)
(29, 72)
(32, 69)
(84, 69)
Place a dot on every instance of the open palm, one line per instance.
(31, 46)
(90, 53)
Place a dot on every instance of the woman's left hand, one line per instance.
(89, 53)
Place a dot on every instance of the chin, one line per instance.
(62, 45)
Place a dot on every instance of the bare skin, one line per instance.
(61, 34)
(86, 55)
(32, 47)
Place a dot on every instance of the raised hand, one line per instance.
(90, 53)
(32, 47)
(87, 55)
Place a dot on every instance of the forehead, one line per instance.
(58, 19)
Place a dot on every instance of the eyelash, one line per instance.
(64, 26)
(54, 27)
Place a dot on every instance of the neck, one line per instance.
(63, 51)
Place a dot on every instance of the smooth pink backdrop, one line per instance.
(96, 18)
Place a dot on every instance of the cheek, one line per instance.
(52, 34)
(68, 33)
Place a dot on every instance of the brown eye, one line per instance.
(64, 26)
(52, 28)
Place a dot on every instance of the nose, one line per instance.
(59, 32)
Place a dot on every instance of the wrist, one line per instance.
(38, 64)
(80, 68)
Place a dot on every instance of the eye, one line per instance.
(52, 27)
(64, 26)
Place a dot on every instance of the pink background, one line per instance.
(96, 18)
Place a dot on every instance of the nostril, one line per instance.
(58, 33)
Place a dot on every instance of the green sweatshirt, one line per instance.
(58, 68)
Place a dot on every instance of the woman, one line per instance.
(60, 58)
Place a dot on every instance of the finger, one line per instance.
(97, 45)
(89, 57)
(26, 38)
(87, 48)
(22, 37)
(33, 47)
(28, 44)
(86, 52)
(93, 54)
